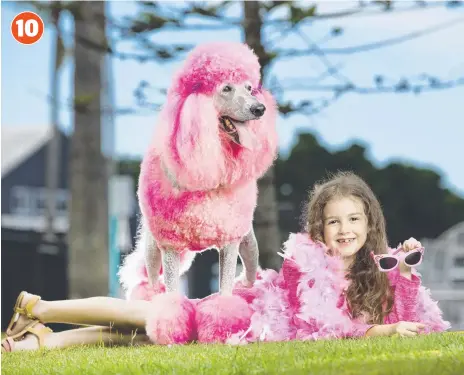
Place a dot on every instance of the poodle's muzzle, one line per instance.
(237, 105)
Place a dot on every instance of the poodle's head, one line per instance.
(217, 113)
(229, 74)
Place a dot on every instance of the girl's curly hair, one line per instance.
(369, 291)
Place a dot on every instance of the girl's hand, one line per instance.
(408, 245)
(411, 244)
(407, 329)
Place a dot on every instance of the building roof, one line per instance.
(20, 142)
(454, 231)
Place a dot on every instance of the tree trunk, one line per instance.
(266, 215)
(52, 165)
(88, 234)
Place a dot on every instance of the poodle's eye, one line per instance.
(249, 88)
(227, 89)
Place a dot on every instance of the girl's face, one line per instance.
(345, 226)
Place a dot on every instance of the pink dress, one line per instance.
(306, 299)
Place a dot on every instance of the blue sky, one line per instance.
(425, 130)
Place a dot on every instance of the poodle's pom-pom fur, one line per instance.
(210, 64)
(144, 291)
(219, 317)
(171, 319)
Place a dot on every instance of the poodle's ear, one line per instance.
(197, 143)
(266, 132)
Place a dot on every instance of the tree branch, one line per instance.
(402, 86)
(368, 46)
(330, 68)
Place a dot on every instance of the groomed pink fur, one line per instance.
(218, 191)
(171, 319)
(220, 317)
(144, 291)
(213, 63)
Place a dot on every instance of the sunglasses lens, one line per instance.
(388, 263)
(413, 259)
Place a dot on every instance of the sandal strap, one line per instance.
(40, 333)
(27, 310)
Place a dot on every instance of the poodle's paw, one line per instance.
(144, 291)
(171, 319)
(219, 317)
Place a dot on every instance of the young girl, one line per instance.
(331, 284)
(338, 280)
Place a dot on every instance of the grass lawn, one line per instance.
(439, 354)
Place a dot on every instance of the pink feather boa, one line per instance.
(305, 301)
(320, 310)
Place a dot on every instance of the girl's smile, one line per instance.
(345, 226)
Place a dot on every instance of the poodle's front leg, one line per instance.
(171, 270)
(227, 268)
(152, 258)
(249, 254)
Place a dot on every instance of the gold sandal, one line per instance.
(25, 311)
(8, 344)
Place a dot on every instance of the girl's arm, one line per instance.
(401, 328)
(405, 288)
(412, 301)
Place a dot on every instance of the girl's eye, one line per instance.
(332, 221)
(355, 218)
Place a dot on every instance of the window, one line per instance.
(459, 261)
(20, 200)
(62, 202)
(32, 201)
(39, 201)
(458, 284)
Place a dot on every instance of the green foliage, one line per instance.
(425, 355)
(148, 21)
(298, 14)
(414, 202)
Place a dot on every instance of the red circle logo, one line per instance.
(27, 28)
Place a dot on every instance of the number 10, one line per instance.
(30, 28)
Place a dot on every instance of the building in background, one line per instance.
(29, 262)
(442, 272)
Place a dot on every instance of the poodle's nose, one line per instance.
(258, 109)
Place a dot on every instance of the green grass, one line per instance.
(435, 354)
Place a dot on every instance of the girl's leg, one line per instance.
(82, 336)
(95, 311)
